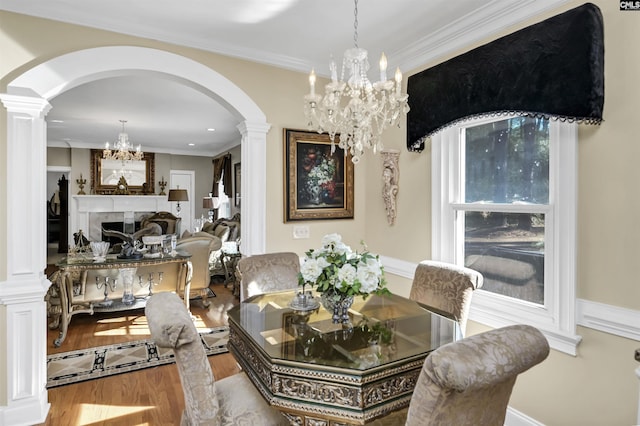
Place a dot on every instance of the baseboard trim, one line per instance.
(516, 418)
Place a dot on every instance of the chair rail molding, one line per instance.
(609, 319)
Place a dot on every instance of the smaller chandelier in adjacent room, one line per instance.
(356, 109)
(123, 149)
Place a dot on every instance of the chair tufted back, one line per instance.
(446, 287)
(169, 223)
(269, 272)
(469, 382)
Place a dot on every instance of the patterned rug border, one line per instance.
(101, 367)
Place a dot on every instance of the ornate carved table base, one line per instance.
(334, 380)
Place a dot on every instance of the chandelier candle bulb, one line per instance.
(334, 71)
(398, 81)
(312, 82)
(383, 68)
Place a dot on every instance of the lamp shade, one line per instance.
(178, 195)
(210, 203)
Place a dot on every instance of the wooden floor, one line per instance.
(151, 396)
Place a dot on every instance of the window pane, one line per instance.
(508, 249)
(507, 161)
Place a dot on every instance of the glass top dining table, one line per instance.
(315, 370)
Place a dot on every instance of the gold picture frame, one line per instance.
(318, 184)
(102, 183)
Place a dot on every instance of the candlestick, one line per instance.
(81, 183)
(163, 185)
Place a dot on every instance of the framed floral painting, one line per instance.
(318, 183)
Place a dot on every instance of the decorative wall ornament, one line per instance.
(390, 180)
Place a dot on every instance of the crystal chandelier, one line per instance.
(358, 110)
(123, 149)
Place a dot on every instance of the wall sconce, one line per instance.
(390, 179)
(211, 203)
(178, 195)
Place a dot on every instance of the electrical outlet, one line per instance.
(300, 231)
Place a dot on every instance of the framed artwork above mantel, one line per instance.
(105, 174)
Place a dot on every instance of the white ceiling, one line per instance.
(166, 116)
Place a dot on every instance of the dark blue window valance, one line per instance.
(553, 69)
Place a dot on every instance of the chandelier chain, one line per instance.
(355, 23)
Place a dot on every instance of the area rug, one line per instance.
(86, 364)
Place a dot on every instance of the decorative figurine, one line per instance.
(122, 188)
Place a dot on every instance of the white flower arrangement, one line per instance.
(338, 270)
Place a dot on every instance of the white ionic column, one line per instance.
(23, 375)
(253, 182)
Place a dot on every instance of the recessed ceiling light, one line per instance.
(56, 121)
(211, 129)
(192, 144)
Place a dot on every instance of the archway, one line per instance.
(65, 72)
(27, 105)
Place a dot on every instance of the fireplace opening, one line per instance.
(116, 226)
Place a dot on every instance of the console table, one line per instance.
(70, 287)
(321, 373)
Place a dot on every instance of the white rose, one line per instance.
(311, 270)
(322, 262)
(369, 275)
(331, 240)
(347, 275)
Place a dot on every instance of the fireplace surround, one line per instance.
(88, 212)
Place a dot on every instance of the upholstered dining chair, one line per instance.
(264, 273)
(469, 382)
(230, 401)
(446, 288)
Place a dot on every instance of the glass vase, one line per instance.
(338, 304)
(127, 283)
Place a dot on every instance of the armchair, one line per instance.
(169, 223)
(201, 245)
(228, 231)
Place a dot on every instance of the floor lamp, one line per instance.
(178, 195)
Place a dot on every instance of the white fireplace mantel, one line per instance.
(82, 206)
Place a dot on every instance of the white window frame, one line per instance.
(557, 318)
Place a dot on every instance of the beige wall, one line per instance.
(80, 162)
(597, 386)
(59, 157)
